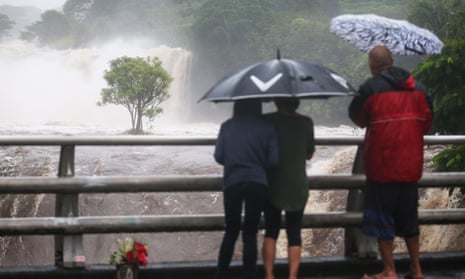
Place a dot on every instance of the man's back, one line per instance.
(397, 113)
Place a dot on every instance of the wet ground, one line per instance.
(435, 266)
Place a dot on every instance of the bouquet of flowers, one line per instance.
(130, 252)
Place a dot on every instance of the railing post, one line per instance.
(69, 250)
(356, 243)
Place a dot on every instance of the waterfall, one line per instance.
(177, 62)
(44, 86)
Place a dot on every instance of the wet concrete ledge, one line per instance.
(439, 265)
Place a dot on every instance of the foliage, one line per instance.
(444, 75)
(106, 19)
(226, 29)
(138, 84)
(53, 29)
(5, 24)
(130, 252)
(451, 159)
(78, 9)
(444, 17)
(389, 8)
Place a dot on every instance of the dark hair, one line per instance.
(287, 103)
(247, 106)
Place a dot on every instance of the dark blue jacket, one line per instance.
(247, 147)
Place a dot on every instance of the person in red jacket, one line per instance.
(397, 112)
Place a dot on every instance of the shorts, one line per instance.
(293, 224)
(390, 209)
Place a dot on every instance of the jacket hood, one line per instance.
(399, 78)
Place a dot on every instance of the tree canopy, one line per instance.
(54, 29)
(444, 74)
(5, 24)
(138, 84)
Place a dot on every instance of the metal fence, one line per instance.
(68, 227)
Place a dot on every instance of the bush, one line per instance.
(450, 159)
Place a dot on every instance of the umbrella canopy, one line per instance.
(366, 31)
(279, 78)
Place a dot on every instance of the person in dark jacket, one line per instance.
(247, 148)
(288, 183)
(397, 112)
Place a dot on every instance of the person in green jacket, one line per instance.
(288, 183)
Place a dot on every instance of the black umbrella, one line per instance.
(279, 78)
(366, 31)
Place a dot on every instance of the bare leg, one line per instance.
(294, 253)
(413, 247)
(386, 247)
(268, 255)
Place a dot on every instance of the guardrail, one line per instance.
(68, 226)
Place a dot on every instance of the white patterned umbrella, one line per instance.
(369, 30)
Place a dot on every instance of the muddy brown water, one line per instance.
(149, 160)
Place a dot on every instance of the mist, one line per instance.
(67, 83)
(45, 86)
(41, 4)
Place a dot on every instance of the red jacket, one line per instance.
(396, 111)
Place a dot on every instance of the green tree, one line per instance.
(444, 17)
(53, 29)
(78, 9)
(444, 75)
(138, 84)
(106, 19)
(451, 159)
(5, 24)
(227, 30)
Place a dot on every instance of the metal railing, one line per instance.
(68, 227)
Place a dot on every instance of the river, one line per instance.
(162, 160)
(123, 160)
